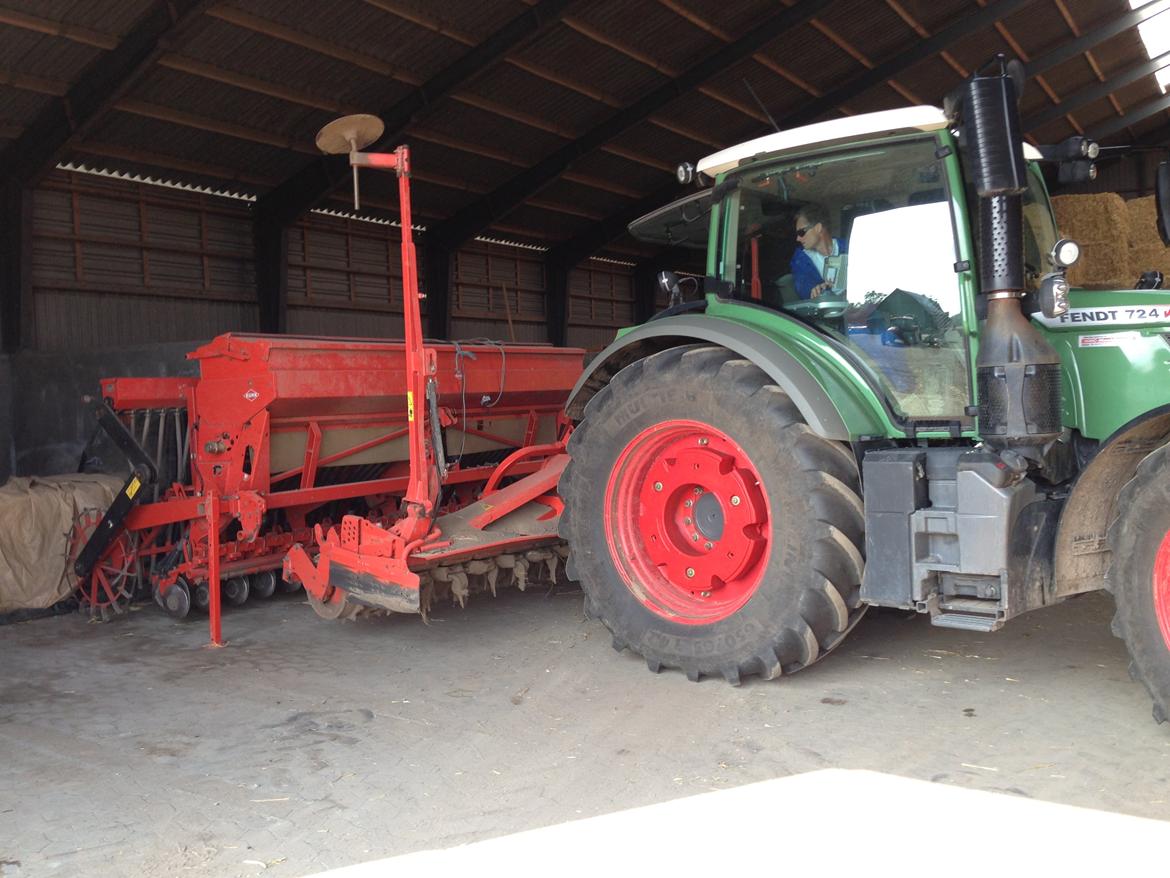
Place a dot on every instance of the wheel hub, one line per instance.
(709, 516)
(1161, 586)
(688, 522)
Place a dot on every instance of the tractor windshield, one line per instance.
(860, 244)
(1039, 229)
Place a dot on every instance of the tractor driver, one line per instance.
(816, 245)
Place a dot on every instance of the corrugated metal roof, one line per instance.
(35, 54)
(573, 55)
(275, 70)
(538, 97)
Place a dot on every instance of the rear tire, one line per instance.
(1139, 575)
(774, 583)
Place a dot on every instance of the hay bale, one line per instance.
(1092, 219)
(1143, 222)
(1102, 266)
(1156, 258)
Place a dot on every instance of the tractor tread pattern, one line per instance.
(1130, 534)
(830, 605)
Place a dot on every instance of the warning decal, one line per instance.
(1112, 340)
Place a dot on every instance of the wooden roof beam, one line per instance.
(1117, 79)
(1093, 65)
(341, 53)
(614, 226)
(917, 27)
(1002, 30)
(956, 30)
(667, 70)
(73, 33)
(538, 70)
(66, 119)
(1137, 114)
(478, 216)
(759, 57)
(316, 180)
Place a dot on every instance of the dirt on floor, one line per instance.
(129, 749)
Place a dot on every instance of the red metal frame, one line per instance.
(268, 414)
(385, 562)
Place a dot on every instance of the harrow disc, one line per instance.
(338, 607)
(111, 585)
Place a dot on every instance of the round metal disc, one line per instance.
(349, 132)
(337, 608)
(263, 584)
(202, 596)
(235, 591)
(177, 600)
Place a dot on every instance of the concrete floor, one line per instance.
(305, 745)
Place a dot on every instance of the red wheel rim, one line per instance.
(1162, 588)
(109, 583)
(687, 522)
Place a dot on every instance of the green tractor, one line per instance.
(752, 468)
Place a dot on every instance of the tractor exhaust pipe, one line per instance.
(1017, 371)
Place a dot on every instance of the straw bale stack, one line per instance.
(1146, 250)
(1100, 224)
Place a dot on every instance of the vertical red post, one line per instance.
(415, 356)
(421, 490)
(211, 509)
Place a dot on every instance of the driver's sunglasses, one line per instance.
(800, 233)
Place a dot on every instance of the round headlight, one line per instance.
(1065, 252)
(1092, 149)
(685, 173)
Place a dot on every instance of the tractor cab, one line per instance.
(859, 229)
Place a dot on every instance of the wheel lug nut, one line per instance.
(695, 537)
(686, 521)
(735, 500)
(702, 441)
(658, 486)
(690, 572)
(708, 545)
(698, 491)
(689, 504)
(705, 594)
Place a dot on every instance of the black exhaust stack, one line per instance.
(1017, 371)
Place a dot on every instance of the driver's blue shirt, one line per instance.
(805, 274)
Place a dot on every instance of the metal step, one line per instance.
(966, 621)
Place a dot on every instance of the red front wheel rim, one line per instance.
(1161, 587)
(687, 522)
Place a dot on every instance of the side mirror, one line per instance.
(671, 284)
(1162, 199)
(668, 284)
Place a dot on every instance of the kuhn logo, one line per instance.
(252, 395)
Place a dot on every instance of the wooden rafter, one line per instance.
(297, 38)
(1092, 61)
(1008, 38)
(760, 58)
(917, 27)
(67, 118)
(464, 38)
(73, 33)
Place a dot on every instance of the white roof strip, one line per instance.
(842, 130)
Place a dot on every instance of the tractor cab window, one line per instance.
(1039, 229)
(861, 246)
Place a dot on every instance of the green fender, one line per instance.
(833, 397)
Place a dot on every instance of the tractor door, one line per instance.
(861, 243)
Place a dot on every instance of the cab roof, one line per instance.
(848, 129)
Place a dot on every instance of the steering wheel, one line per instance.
(828, 306)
